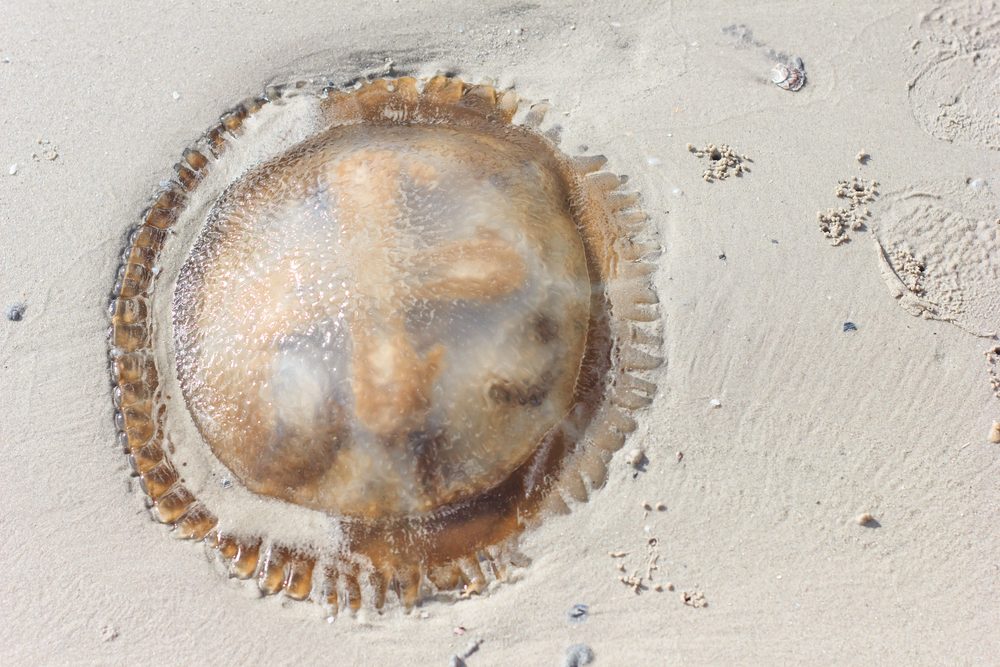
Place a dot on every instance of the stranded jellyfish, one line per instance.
(363, 339)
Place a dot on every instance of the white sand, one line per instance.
(816, 425)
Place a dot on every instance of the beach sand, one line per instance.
(805, 384)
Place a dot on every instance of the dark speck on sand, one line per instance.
(15, 312)
(578, 655)
(578, 613)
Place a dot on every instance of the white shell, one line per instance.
(790, 77)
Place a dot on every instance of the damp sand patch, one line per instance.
(939, 255)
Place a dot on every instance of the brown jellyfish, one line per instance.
(363, 339)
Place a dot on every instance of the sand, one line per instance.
(777, 425)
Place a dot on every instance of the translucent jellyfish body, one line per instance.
(365, 338)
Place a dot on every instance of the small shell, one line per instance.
(779, 74)
(790, 77)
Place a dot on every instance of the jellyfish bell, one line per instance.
(402, 325)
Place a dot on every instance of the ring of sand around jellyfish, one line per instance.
(364, 339)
